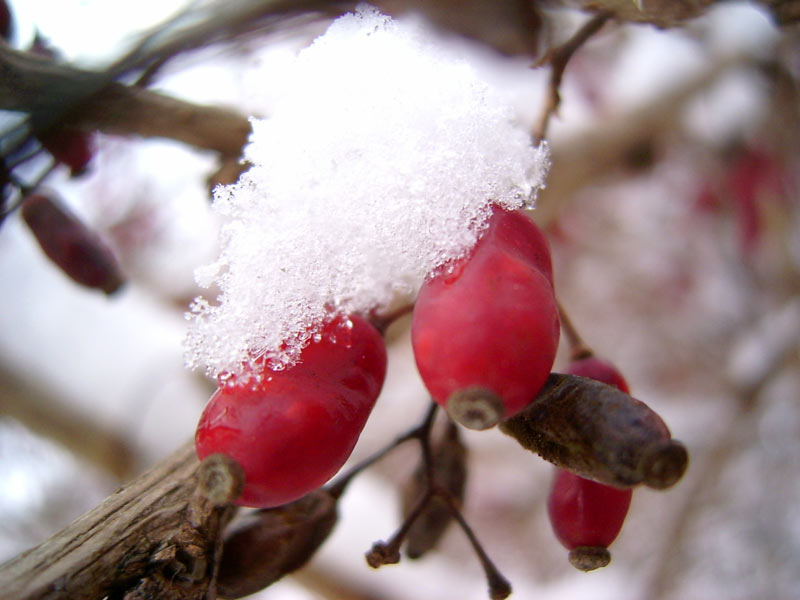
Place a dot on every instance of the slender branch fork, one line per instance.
(558, 59)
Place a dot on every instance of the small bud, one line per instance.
(448, 455)
(274, 542)
(475, 408)
(599, 432)
(73, 247)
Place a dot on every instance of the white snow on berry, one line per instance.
(378, 164)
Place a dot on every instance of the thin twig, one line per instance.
(558, 59)
(499, 587)
(338, 487)
(578, 349)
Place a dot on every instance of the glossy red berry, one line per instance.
(294, 429)
(72, 246)
(513, 232)
(485, 331)
(586, 514)
(599, 370)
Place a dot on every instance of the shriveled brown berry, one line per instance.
(274, 542)
(599, 432)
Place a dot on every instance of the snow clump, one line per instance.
(378, 163)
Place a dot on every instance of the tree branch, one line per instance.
(156, 537)
(52, 92)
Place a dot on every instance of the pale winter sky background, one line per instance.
(121, 361)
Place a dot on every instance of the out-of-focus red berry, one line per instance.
(294, 429)
(6, 22)
(599, 370)
(70, 147)
(73, 247)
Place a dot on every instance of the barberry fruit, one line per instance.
(485, 330)
(6, 22)
(586, 517)
(73, 247)
(69, 146)
(292, 429)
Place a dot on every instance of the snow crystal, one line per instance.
(378, 163)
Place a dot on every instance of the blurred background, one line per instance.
(672, 212)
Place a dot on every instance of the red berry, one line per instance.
(518, 235)
(66, 241)
(294, 429)
(485, 332)
(6, 21)
(586, 514)
(69, 146)
(599, 370)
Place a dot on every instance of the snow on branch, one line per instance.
(379, 163)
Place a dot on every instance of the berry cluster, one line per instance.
(485, 330)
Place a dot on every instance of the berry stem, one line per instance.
(384, 321)
(578, 349)
(384, 553)
(419, 432)
(499, 587)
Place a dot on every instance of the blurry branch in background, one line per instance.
(86, 100)
(767, 347)
(598, 152)
(558, 58)
(77, 432)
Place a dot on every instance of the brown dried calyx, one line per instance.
(273, 542)
(448, 470)
(589, 558)
(599, 432)
(475, 407)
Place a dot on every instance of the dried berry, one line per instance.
(599, 432)
(273, 542)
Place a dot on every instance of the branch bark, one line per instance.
(156, 537)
